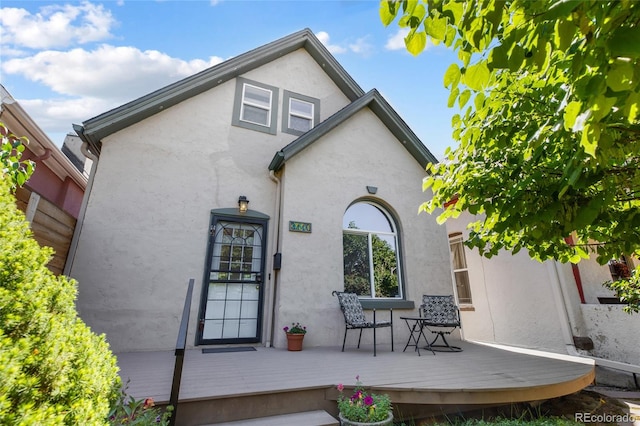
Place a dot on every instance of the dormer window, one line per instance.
(255, 106)
(300, 113)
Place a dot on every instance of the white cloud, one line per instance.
(55, 26)
(396, 41)
(323, 36)
(361, 46)
(108, 72)
(92, 82)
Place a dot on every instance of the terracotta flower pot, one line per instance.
(386, 422)
(294, 341)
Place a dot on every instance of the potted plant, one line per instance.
(364, 408)
(295, 336)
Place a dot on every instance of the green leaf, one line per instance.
(620, 77)
(516, 57)
(590, 138)
(587, 215)
(388, 12)
(564, 34)
(452, 97)
(625, 42)
(560, 8)
(499, 57)
(477, 76)
(464, 98)
(571, 111)
(415, 41)
(452, 76)
(436, 27)
(632, 107)
(602, 106)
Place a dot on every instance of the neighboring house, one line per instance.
(72, 147)
(52, 196)
(328, 171)
(515, 300)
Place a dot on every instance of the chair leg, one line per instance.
(359, 338)
(345, 338)
(391, 314)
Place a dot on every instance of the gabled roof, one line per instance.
(95, 129)
(389, 117)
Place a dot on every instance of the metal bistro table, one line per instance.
(416, 332)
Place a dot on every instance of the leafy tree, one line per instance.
(11, 149)
(53, 369)
(548, 132)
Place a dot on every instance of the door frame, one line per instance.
(232, 215)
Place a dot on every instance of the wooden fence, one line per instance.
(51, 226)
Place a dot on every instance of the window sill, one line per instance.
(387, 304)
(467, 308)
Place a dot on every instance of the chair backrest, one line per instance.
(440, 310)
(351, 308)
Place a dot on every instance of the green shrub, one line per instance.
(53, 368)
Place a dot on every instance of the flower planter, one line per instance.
(294, 341)
(386, 422)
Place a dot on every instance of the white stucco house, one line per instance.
(332, 176)
(322, 164)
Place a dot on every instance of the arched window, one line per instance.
(371, 253)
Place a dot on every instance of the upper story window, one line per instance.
(371, 252)
(460, 270)
(300, 113)
(255, 106)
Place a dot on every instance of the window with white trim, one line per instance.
(255, 106)
(460, 270)
(300, 113)
(371, 252)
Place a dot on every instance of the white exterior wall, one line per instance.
(145, 230)
(521, 302)
(320, 184)
(146, 224)
(512, 299)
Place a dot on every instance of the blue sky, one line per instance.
(66, 62)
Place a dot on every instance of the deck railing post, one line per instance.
(181, 344)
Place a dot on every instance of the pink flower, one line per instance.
(340, 387)
(368, 400)
(148, 403)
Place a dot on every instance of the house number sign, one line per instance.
(299, 226)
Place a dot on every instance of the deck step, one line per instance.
(307, 418)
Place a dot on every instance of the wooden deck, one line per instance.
(217, 382)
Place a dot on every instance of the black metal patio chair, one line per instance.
(441, 316)
(354, 318)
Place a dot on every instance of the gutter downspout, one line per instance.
(83, 209)
(558, 284)
(275, 248)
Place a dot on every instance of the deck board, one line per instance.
(479, 374)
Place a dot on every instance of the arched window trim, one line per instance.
(396, 232)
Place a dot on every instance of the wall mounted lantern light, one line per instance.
(243, 204)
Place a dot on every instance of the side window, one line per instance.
(460, 270)
(300, 113)
(255, 106)
(371, 252)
